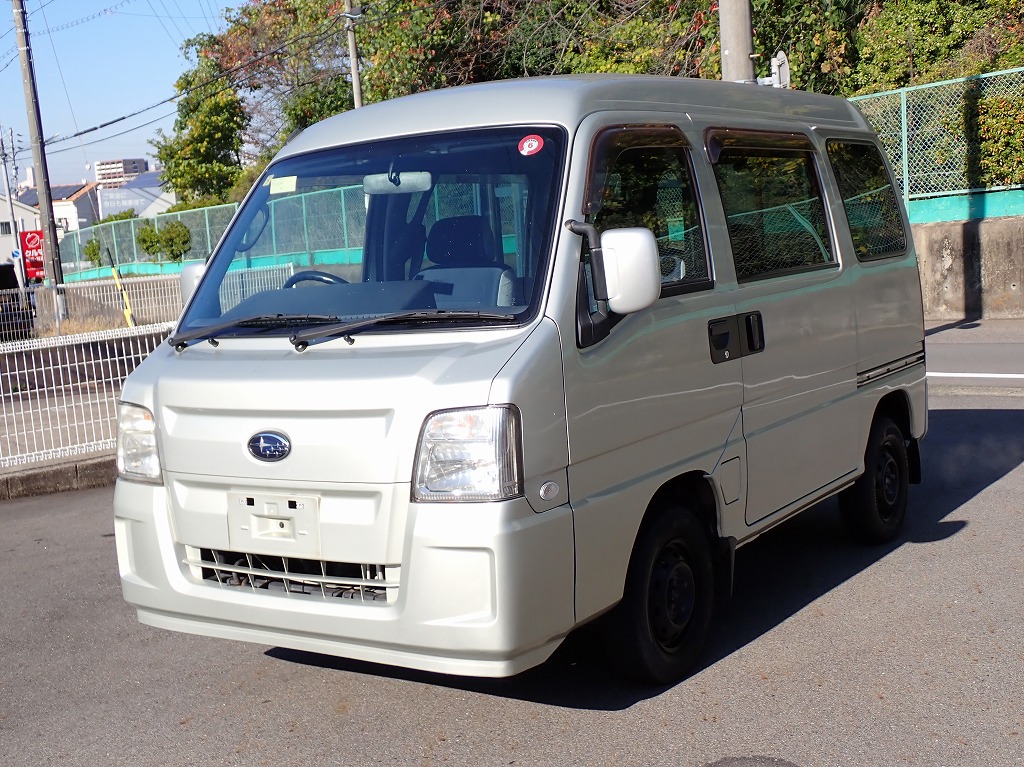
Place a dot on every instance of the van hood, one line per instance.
(349, 413)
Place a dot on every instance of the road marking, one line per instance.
(1002, 376)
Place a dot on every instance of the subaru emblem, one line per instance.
(269, 446)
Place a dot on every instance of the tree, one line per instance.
(910, 42)
(176, 240)
(286, 57)
(172, 240)
(148, 239)
(202, 158)
(91, 250)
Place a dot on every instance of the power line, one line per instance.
(316, 35)
(115, 135)
(63, 82)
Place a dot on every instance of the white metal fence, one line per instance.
(58, 396)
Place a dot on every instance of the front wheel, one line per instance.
(874, 508)
(658, 630)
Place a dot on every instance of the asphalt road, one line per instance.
(829, 653)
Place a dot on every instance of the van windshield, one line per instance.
(410, 230)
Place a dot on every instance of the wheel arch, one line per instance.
(695, 492)
(896, 406)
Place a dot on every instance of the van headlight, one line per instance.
(469, 455)
(137, 457)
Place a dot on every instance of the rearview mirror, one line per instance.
(394, 182)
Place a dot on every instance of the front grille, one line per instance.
(293, 577)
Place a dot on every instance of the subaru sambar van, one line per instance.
(473, 368)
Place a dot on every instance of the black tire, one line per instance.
(656, 633)
(874, 508)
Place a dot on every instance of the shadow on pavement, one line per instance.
(777, 575)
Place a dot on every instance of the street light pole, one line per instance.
(35, 128)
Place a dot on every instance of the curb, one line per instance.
(58, 478)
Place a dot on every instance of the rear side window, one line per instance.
(774, 210)
(869, 200)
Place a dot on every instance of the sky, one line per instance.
(97, 61)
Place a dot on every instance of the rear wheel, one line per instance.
(874, 508)
(658, 630)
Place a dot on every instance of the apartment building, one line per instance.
(111, 174)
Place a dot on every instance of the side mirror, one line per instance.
(632, 271)
(191, 273)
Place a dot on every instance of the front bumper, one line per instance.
(482, 589)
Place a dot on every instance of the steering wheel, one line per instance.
(313, 275)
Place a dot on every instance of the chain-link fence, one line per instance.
(934, 134)
(117, 241)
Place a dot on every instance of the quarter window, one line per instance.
(869, 200)
(774, 211)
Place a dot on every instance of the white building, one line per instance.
(75, 206)
(111, 174)
(146, 195)
(26, 218)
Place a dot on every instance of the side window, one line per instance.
(774, 210)
(869, 200)
(652, 187)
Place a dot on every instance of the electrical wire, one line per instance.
(316, 35)
(63, 82)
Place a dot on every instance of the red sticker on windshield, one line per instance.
(530, 145)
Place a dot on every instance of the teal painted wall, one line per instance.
(967, 207)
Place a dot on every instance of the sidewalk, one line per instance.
(98, 471)
(56, 477)
(974, 331)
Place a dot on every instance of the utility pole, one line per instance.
(21, 273)
(35, 129)
(353, 57)
(737, 41)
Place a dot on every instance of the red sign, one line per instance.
(32, 252)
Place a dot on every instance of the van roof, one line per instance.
(565, 100)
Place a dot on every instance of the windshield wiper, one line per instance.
(302, 338)
(180, 341)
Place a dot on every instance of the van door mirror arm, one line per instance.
(593, 237)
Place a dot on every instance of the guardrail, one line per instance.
(58, 396)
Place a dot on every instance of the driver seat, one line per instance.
(466, 271)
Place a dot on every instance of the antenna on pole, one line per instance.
(780, 72)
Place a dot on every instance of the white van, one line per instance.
(472, 368)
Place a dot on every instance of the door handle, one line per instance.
(754, 326)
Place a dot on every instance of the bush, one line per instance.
(91, 250)
(148, 239)
(172, 241)
(176, 240)
(1001, 141)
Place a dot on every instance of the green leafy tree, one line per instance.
(175, 240)
(909, 42)
(124, 215)
(202, 158)
(148, 239)
(91, 250)
(172, 240)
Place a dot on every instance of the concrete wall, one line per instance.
(972, 269)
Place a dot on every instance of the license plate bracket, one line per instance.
(275, 524)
